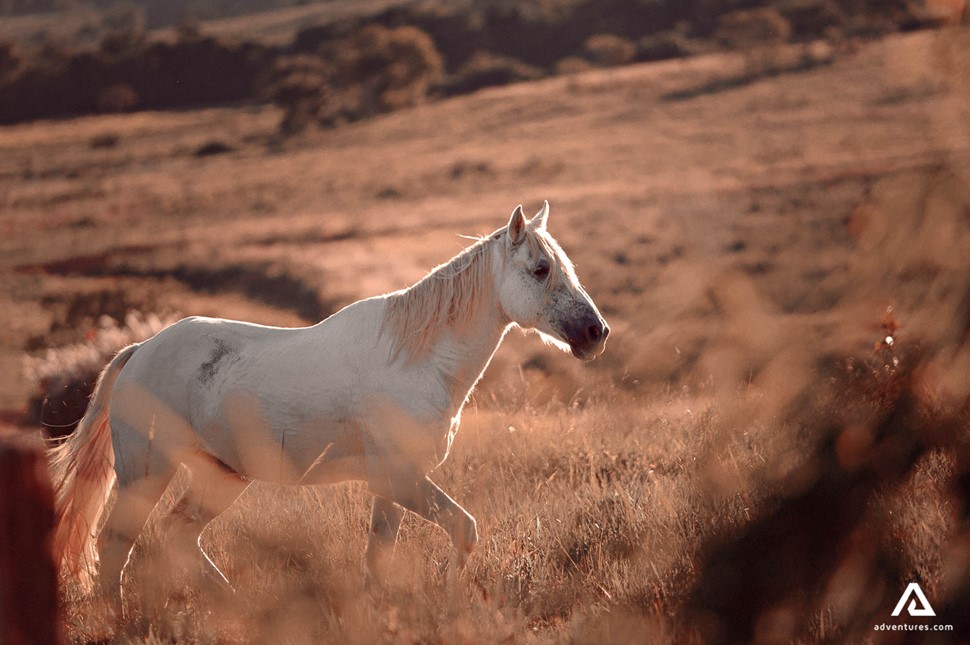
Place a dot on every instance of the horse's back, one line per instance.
(215, 381)
(172, 376)
(193, 351)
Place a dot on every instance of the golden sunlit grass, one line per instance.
(598, 503)
(584, 510)
(732, 254)
(591, 516)
(606, 509)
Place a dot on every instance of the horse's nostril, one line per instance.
(606, 331)
(593, 332)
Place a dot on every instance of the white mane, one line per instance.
(449, 295)
(446, 296)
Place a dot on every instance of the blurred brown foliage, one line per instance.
(485, 69)
(827, 556)
(59, 82)
(608, 50)
(375, 70)
(381, 69)
(753, 27)
(28, 574)
(397, 56)
(821, 541)
(301, 89)
(9, 59)
(117, 98)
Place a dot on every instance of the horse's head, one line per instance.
(538, 289)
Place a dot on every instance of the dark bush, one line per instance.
(104, 141)
(573, 65)
(302, 89)
(536, 32)
(608, 50)
(213, 148)
(753, 27)
(486, 69)
(119, 97)
(381, 69)
(668, 44)
(162, 75)
(810, 19)
(9, 60)
(456, 31)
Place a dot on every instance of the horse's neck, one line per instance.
(463, 352)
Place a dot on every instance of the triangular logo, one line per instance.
(923, 609)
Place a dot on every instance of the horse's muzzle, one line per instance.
(587, 339)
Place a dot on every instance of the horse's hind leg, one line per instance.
(213, 487)
(143, 475)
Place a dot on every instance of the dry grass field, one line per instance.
(743, 225)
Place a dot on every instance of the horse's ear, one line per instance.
(538, 222)
(516, 226)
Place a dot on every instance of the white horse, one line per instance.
(372, 393)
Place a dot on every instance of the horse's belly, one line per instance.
(268, 441)
(328, 437)
(326, 452)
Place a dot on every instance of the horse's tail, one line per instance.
(82, 471)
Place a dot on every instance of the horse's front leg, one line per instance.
(433, 504)
(385, 520)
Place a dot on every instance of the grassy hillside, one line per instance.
(743, 225)
(338, 61)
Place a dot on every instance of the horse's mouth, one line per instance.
(586, 337)
(583, 353)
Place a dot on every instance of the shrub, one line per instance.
(573, 65)
(813, 18)
(58, 82)
(9, 59)
(608, 50)
(104, 141)
(302, 90)
(119, 97)
(661, 46)
(752, 27)
(486, 69)
(212, 148)
(381, 69)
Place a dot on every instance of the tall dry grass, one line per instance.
(799, 439)
(801, 471)
(583, 510)
(595, 517)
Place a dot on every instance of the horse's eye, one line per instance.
(541, 270)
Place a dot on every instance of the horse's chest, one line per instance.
(422, 436)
